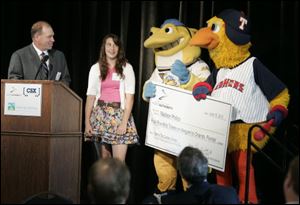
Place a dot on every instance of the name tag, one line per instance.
(115, 77)
(58, 74)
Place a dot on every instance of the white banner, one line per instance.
(23, 99)
(177, 120)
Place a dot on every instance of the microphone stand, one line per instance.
(50, 66)
(39, 70)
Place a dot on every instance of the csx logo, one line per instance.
(31, 90)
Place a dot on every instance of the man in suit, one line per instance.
(193, 167)
(38, 61)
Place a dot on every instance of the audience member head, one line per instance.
(291, 182)
(42, 35)
(109, 182)
(192, 165)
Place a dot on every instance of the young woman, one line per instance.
(110, 96)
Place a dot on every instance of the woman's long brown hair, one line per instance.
(121, 60)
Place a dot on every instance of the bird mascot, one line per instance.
(177, 64)
(256, 95)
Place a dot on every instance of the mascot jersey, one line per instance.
(162, 74)
(170, 42)
(244, 89)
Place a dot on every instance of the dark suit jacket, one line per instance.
(204, 193)
(25, 63)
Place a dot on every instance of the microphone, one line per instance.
(43, 61)
(45, 58)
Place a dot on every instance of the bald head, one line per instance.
(109, 181)
(37, 28)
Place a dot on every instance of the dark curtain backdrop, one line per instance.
(79, 27)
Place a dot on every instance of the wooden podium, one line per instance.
(42, 153)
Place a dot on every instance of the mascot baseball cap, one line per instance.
(172, 21)
(237, 26)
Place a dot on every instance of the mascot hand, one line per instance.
(200, 90)
(179, 69)
(150, 90)
(277, 113)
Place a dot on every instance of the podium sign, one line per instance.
(23, 99)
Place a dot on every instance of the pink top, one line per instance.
(110, 88)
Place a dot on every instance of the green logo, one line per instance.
(11, 106)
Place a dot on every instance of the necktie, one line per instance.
(45, 70)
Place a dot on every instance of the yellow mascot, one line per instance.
(256, 94)
(177, 64)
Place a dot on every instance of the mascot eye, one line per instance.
(169, 30)
(215, 28)
(151, 33)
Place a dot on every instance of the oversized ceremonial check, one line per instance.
(177, 120)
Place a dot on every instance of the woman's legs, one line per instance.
(119, 151)
(105, 151)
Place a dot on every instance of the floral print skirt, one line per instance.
(105, 120)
